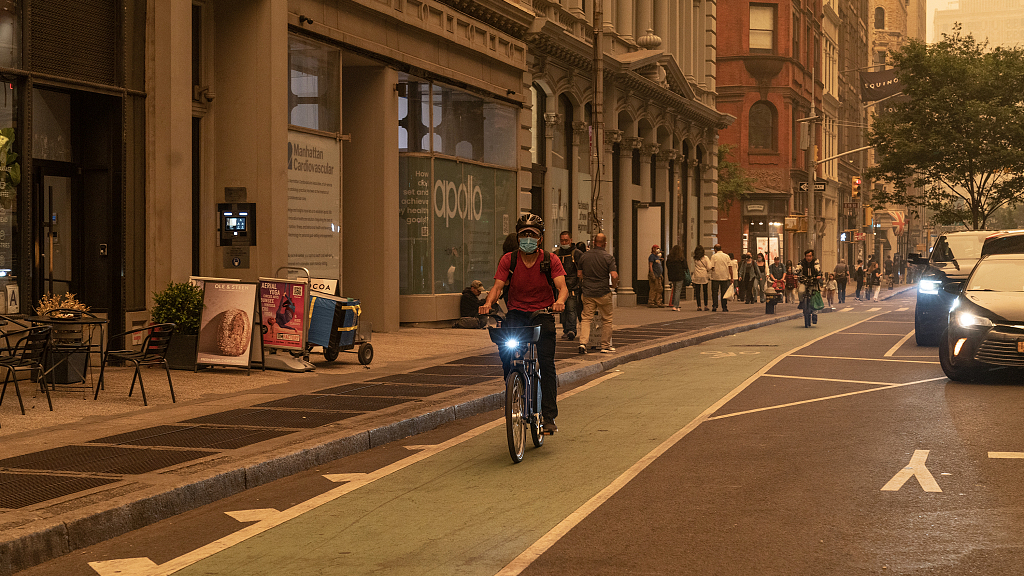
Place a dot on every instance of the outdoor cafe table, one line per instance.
(89, 344)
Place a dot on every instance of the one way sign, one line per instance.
(818, 186)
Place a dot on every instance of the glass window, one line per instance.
(314, 85)
(998, 274)
(761, 131)
(762, 28)
(413, 115)
(10, 33)
(879, 18)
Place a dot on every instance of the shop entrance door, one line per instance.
(57, 231)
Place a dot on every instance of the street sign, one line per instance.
(850, 208)
(858, 236)
(819, 186)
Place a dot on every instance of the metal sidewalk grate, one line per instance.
(334, 402)
(486, 360)
(434, 379)
(458, 370)
(193, 437)
(106, 459)
(272, 418)
(21, 490)
(407, 390)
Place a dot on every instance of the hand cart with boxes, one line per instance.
(334, 324)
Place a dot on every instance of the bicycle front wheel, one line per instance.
(515, 422)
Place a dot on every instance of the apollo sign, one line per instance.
(463, 200)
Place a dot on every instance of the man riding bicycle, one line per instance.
(532, 279)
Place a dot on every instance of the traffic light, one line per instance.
(868, 215)
(856, 188)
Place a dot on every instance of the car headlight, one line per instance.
(929, 286)
(968, 320)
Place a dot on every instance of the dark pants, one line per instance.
(570, 315)
(860, 286)
(718, 288)
(810, 314)
(545, 357)
(697, 290)
(841, 287)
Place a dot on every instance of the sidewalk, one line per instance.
(91, 470)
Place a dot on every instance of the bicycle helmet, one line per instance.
(529, 220)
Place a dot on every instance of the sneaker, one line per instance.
(706, 309)
(549, 425)
(607, 350)
(583, 348)
(570, 336)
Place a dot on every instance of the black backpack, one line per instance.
(545, 267)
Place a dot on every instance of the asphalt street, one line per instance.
(840, 449)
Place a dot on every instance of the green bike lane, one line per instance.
(451, 501)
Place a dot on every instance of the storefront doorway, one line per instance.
(77, 198)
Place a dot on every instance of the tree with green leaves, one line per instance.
(959, 135)
(733, 182)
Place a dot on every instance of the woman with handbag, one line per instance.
(677, 273)
(810, 286)
(701, 278)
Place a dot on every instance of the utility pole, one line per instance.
(596, 175)
(811, 157)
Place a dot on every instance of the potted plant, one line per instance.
(181, 303)
(68, 358)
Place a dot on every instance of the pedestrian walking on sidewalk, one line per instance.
(842, 274)
(874, 281)
(701, 276)
(570, 257)
(858, 276)
(721, 278)
(675, 265)
(791, 283)
(655, 278)
(536, 280)
(830, 290)
(599, 279)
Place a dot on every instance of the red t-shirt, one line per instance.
(529, 290)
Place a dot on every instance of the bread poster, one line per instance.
(283, 304)
(225, 332)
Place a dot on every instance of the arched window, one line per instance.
(879, 18)
(761, 126)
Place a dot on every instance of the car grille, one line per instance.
(1000, 347)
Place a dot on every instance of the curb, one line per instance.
(24, 547)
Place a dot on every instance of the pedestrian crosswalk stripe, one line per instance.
(904, 309)
(875, 309)
(849, 309)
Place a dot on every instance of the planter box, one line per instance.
(181, 353)
(64, 368)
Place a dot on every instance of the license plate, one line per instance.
(1020, 346)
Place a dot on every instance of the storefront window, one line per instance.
(10, 33)
(314, 85)
(10, 180)
(454, 213)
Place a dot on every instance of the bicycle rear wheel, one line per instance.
(515, 423)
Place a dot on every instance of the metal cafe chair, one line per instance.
(152, 352)
(71, 335)
(26, 354)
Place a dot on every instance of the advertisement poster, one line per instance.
(225, 331)
(283, 305)
(314, 203)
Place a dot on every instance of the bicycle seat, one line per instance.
(521, 334)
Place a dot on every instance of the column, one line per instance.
(581, 182)
(644, 16)
(624, 26)
(605, 209)
(627, 251)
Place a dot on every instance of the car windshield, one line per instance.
(993, 275)
(950, 248)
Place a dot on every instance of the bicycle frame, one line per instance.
(522, 386)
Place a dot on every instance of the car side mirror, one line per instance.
(915, 258)
(952, 288)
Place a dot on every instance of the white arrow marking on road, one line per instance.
(254, 515)
(716, 354)
(1006, 454)
(348, 477)
(915, 468)
(146, 567)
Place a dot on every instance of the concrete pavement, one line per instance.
(94, 469)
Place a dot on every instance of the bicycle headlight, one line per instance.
(968, 320)
(929, 286)
(512, 343)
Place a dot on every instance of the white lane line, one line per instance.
(831, 380)
(869, 334)
(915, 468)
(548, 540)
(146, 567)
(898, 344)
(864, 359)
(904, 309)
(1006, 454)
(822, 399)
(893, 321)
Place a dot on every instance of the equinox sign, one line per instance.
(465, 200)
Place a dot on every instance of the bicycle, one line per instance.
(522, 385)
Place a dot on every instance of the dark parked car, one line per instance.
(986, 323)
(952, 259)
